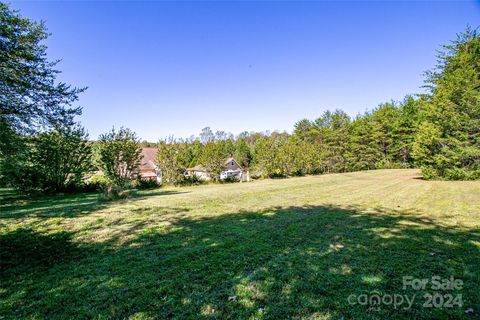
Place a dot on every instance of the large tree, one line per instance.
(448, 141)
(213, 157)
(404, 130)
(333, 130)
(243, 154)
(174, 157)
(31, 98)
(119, 155)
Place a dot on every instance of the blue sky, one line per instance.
(172, 68)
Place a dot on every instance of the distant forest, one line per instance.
(437, 131)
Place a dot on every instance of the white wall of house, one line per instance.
(226, 174)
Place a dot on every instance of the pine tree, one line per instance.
(447, 145)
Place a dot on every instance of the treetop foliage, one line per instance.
(30, 96)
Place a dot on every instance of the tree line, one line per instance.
(437, 131)
(44, 148)
(382, 138)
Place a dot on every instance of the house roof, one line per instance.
(200, 168)
(148, 174)
(229, 160)
(149, 159)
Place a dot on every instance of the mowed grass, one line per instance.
(274, 249)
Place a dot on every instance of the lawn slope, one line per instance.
(274, 249)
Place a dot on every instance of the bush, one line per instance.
(428, 173)
(456, 174)
(143, 184)
(50, 162)
(192, 180)
(276, 174)
(387, 164)
(229, 180)
(99, 179)
(111, 193)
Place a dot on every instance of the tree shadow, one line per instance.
(156, 192)
(28, 251)
(278, 263)
(15, 206)
(65, 206)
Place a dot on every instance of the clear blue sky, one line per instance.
(163, 68)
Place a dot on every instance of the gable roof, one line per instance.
(232, 164)
(228, 166)
(149, 159)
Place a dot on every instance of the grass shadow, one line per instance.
(156, 192)
(15, 205)
(65, 206)
(280, 263)
(26, 251)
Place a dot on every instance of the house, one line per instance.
(232, 170)
(149, 169)
(198, 172)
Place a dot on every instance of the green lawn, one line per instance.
(275, 249)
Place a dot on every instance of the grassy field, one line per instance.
(296, 248)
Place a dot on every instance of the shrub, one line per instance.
(229, 180)
(146, 184)
(387, 164)
(110, 193)
(54, 161)
(192, 180)
(456, 174)
(99, 179)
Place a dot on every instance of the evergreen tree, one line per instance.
(333, 138)
(30, 97)
(404, 130)
(447, 144)
(364, 151)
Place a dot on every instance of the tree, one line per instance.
(119, 155)
(447, 144)
(404, 130)
(221, 135)
(384, 118)
(268, 155)
(30, 97)
(174, 157)
(53, 161)
(244, 155)
(333, 137)
(364, 150)
(206, 135)
(213, 157)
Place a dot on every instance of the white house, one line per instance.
(232, 170)
(198, 172)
